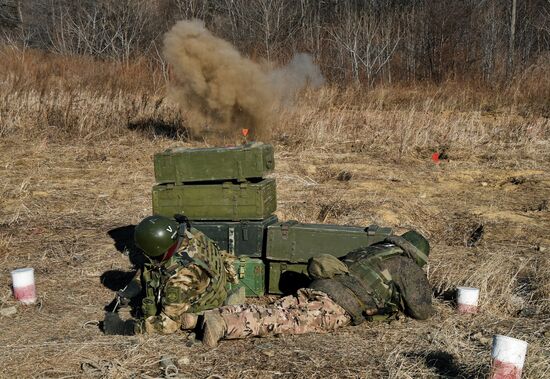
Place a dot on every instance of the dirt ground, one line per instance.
(487, 216)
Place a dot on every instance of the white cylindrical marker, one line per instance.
(508, 357)
(24, 288)
(467, 299)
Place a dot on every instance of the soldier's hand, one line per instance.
(132, 290)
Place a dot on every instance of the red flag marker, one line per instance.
(244, 132)
(435, 158)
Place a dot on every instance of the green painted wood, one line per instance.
(225, 201)
(251, 274)
(295, 242)
(285, 278)
(184, 165)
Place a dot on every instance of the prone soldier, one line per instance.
(370, 283)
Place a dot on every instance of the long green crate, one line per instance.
(184, 165)
(223, 201)
(295, 242)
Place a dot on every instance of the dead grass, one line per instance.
(77, 144)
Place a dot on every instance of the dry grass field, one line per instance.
(77, 140)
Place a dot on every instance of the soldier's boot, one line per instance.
(189, 321)
(213, 329)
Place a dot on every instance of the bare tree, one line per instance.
(364, 41)
(114, 30)
(369, 41)
(512, 37)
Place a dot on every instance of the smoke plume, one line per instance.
(223, 92)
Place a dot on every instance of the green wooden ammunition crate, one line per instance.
(238, 237)
(286, 278)
(183, 165)
(251, 274)
(294, 242)
(224, 201)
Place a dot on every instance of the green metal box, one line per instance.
(295, 242)
(183, 165)
(253, 200)
(251, 274)
(238, 237)
(286, 278)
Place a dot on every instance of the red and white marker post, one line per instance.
(508, 356)
(24, 288)
(467, 300)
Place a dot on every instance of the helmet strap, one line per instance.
(181, 234)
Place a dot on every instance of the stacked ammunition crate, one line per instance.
(225, 194)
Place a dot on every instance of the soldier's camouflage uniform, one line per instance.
(309, 311)
(341, 294)
(186, 286)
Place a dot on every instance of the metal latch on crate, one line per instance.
(374, 229)
(242, 267)
(244, 229)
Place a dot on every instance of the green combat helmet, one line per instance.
(418, 241)
(155, 235)
(414, 245)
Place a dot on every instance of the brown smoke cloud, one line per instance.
(223, 92)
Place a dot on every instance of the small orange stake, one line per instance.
(244, 132)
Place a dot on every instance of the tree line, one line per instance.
(355, 41)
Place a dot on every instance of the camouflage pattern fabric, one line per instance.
(413, 286)
(326, 266)
(187, 288)
(380, 276)
(191, 281)
(309, 311)
(228, 260)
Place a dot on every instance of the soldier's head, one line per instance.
(421, 243)
(157, 237)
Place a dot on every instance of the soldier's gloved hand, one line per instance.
(114, 325)
(130, 291)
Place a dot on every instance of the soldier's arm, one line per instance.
(130, 291)
(180, 291)
(414, 288)
(228, 260)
